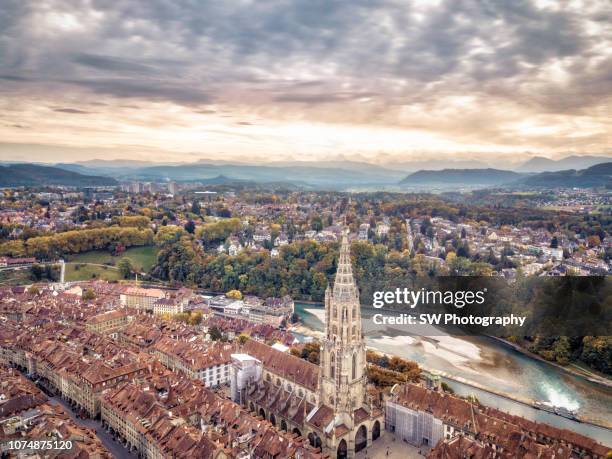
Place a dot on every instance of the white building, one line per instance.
(244, 370)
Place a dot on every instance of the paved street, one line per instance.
(397, 449)
(116, 449)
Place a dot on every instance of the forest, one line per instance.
(58, 244)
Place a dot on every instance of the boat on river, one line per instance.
(558, 410)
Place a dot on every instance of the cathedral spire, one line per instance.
(344, 283)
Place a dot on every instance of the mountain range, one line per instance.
(353, 175)
(35, 175)
(541, 164)
(321, 175)
(594, 176)
(453, 177)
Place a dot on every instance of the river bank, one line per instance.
(582, 373)
(605, 424)
(495, 373)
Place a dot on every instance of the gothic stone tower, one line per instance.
(342, 383)
(344, 421)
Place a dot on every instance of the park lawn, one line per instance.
(19, 277)
(87, 272)
(142, 258)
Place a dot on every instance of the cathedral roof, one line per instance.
(285, 365)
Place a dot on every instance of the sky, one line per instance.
(382, 81)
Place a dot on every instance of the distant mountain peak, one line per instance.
(542, 164)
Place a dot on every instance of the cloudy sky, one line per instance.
(375, 80)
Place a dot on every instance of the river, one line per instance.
(492, 365)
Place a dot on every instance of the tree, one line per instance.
(234, 294)
(195, 318)
(597, 352)
(316, 223)
(167, 234)
(89, 295)
(215, 334)
(125, 267)
(37, 272)
(190, 227)
(195, 207)
(242, 339)
(463, 250)
(446, 387)
(561, 350)
(461, 266)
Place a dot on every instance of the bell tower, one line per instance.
(342, 380)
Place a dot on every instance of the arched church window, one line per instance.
(354, 366)
(332, 365)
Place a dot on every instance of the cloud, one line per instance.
(143, 89)
(74, 111)
(108, 63)
(447, 44)
(469, 70)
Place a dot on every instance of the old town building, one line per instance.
(108, 322)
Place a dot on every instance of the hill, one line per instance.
(594, 176)
(35, 175)
(541, 164)
(464, 177)
(307, 174)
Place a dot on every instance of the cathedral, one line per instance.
(327, 403)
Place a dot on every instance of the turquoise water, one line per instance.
(491, 364)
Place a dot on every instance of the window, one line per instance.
(332, 365)
(354, 366)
